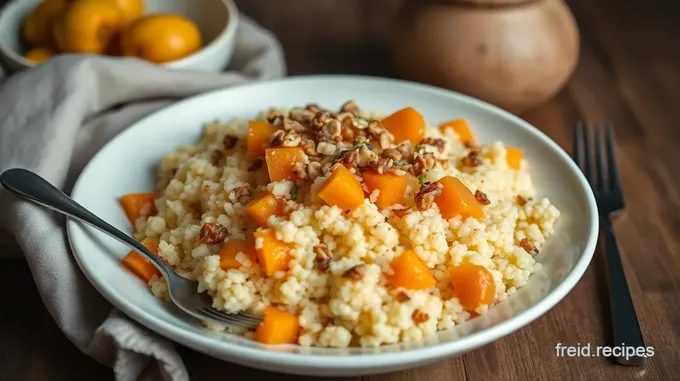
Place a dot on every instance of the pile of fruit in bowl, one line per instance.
(107, 27)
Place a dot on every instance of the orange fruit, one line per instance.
(87, 26)
(37, 27)
(38, 55)
(160, 38)
(130, 9)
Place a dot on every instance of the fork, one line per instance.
(183, 292)
(604, 181)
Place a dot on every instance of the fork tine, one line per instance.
(226, 319)
(614, 181)
(241, 316)
(601, 157)
(582, 150)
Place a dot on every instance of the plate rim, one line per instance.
(239, 353)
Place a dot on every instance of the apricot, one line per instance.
(130, 9)
(160, 38)
(38, 55)
(87, 26)
(37, 27)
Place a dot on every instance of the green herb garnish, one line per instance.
(294, 192)
(421, 180)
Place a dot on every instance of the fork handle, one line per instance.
(626, 328)
(34, 188)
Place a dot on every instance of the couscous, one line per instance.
(344, 228)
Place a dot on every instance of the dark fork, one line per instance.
(603, 177)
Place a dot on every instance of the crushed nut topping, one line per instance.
(277, 138)
(437, 142)
(406, 150)
(427, 194)
(313, 170)
(300, 171)
(521, 201)
(528, 246)
(323, 257)
(366, 157)
(290, 206)
(320, 119)
(423, 162)
(255, 165)
(273, 116)
(355, 273)
(308, 146)
(471, 160)
(216, 157)
(350, 107)
(301, 115)
(383, 165)
(212, 233)
(481, 197)
(379, 133)
(347, 158)
(401, 212)
(242, 194)
(403, 297)
(393, 154)
(420, 316)
(230, 141)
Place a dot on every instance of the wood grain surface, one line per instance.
(629, 73)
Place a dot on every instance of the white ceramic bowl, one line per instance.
(216, 19)
(128, 162)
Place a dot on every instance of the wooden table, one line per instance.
(629, 73)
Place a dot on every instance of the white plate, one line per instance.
(127, 164)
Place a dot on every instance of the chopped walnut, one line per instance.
(383, 165)
(355, 273)
(521, 201)
(313, 107)
(403, 297)
(481, 197)
(230, 141)
(255, 165)
(300, 171)
(348, 134)
(301, 115)
(308, 146)
(471, 160)
(427, 194)
(423, 162)
(313, 170)
(277, 138)
(443, 163)
(379, 133)
(420, 316)
(365, 156)
(323, 257)
(393, 154)
(273, 116)
(528, 246)
(212, 233)
(292, 139)
(401, 212)
(320, 119)
(470, 145)
(437, 142)
(290, 206)
(290, 124)
(242, 194)
(332, 131)
(348, 158)
(350, 107)
(216, 157)
(406, 150)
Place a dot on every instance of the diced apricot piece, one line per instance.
(456, 199)
(136, 205)
(405, 124)
(409, 271)
(261, 208)
(277, 327)
(272, 254)
(342, 189)
(281, 162)
(460, 127)
(473, 285)
(139, 264)
(514, 157)
(232, 248)
(392, 188)
(259, 134)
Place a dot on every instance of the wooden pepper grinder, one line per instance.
(515, 54)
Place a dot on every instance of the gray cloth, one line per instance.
(53, 118)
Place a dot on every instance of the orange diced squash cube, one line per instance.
(136, 205)
(139, 264)
(473, 285)
(281, 162)
(514, 157)
(392, 188)
(405, 124)
(277, 327)
(232, 248)
(460, 127)
(261, 208)
(342, 189)
(409, 271)
(456, 199)
(273, 255)
(259, 134)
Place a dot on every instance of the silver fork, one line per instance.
(604, 180)
(183, 291)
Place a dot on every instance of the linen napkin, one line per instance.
(53, 118)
